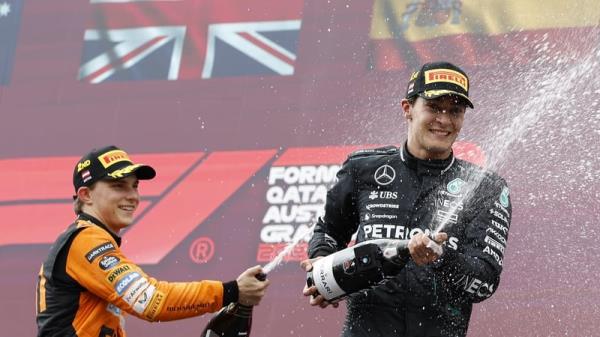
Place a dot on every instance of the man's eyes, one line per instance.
(119, 186)
(453, 111)
(456, 111)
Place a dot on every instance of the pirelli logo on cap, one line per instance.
(112, 157)
(446, 75)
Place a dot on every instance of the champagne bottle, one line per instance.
(234, 320)
(359, 267)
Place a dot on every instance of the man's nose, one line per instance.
(443, 116)
(133, 194)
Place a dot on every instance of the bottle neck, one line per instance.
(240, 310)
(396, 251)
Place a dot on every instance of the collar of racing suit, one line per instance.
(426, 166)
(89, 218)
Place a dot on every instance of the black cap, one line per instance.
(109, 162)
(438, 79)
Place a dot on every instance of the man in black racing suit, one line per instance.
(408, 193)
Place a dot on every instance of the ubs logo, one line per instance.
(383, 195)
(384, 175)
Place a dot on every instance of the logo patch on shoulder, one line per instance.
(455, 186)
(504, 197)
(99, 250)
(385, 175)
(108, 262)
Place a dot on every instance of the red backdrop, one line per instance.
(223, 147)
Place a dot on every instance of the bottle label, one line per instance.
(325, 280)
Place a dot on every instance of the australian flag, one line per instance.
(187, 39)
(10, 18)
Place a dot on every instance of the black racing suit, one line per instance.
(388, 193)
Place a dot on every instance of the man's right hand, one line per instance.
(315, 298)
(251, 290)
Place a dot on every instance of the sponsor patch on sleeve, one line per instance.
(108, 261)
(118, 271)
(155, 305)
(113, 309)
(504, 201)
(144, 299)
(99, 250)
(125, 282)
(135, 290)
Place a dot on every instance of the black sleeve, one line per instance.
(231, 292)
(333, 231)
(471, 273)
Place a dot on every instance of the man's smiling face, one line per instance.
(434, 125)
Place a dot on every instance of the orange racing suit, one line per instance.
(86, 284)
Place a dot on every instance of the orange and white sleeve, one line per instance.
(96, 262)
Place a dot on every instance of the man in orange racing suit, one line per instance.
(86, 282)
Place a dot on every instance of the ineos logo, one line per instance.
(384, 175)
(202, 250)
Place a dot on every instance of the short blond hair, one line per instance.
(78, 204)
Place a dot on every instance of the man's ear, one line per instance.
(406, 109)
(84, 194)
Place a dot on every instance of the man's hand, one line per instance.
(251, 290)
(315, 299)
(421, 248)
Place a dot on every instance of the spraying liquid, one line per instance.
(277, 260)
(554, 81)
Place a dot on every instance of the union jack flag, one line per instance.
(10, 17)
(187, 39)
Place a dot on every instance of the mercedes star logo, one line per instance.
(384, 175)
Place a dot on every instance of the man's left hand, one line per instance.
(420, 249)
